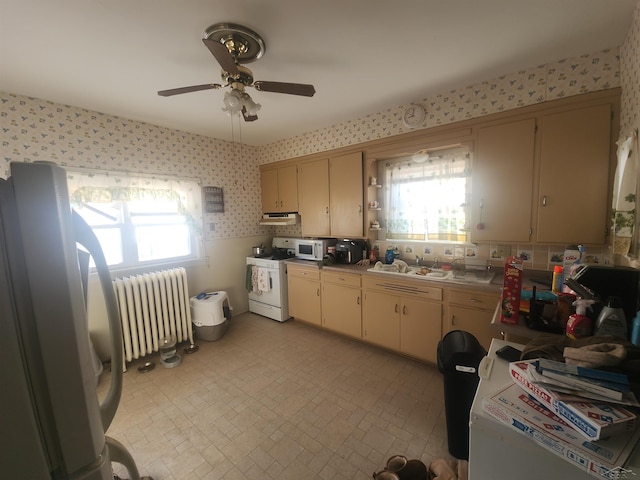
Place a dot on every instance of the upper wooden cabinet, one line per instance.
(574, 176)
(346, 195)
(331, 196)
(279, 189)
(313, 184)
(502, 182)
(545, 179)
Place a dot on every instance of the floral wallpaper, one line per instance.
(34, 129)
(630, 78)
(573, 76)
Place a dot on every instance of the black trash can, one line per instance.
(459, 354)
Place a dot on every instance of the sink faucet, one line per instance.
(436, 263)
(417, 260)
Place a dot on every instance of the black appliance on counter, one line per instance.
(608, 280)
(350, 251)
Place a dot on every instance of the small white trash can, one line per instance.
(210, 315)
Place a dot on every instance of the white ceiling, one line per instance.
(363, 56)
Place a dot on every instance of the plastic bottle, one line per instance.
(635, 330)
(388, 256)
(611, 320)
(556, 283)
(570, 260)
(579, 324)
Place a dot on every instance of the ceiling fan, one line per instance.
(232, 45)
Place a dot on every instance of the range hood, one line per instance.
(280, 219)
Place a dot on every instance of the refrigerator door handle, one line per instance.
(85, 237)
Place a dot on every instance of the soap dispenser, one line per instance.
(611, 320)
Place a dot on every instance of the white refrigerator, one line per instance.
(53, 423)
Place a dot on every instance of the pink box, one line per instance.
(511, 287)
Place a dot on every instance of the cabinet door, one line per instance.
(502, 182)
(313, 186)
(346, 194)
(574, 176)
(420, 328)
(288, 188)
(341, 309)
(381, 319)
(305, 300)
(476, 322)
(269, 188)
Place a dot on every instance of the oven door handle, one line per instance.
(270, 282)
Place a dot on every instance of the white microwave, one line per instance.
(313, 249)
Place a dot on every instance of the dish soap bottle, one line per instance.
(579, 324)
(388, 256)
(611, 320)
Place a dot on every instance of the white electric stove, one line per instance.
(267, 280)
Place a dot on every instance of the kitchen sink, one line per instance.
(469, 276)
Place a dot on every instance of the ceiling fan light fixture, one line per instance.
(235, 101)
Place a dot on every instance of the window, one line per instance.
(139, 220)
(426, 195)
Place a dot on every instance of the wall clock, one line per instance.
(414, 115)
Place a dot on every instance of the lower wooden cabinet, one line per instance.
(341, 310)
(402, 316)
(420, 328)
(304, 293)
(472, 312)
(381, 319)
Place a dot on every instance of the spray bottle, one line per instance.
(579, 324)
(611, 320)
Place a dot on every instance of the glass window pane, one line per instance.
(111, 242)
(157, 219)
(100, 213)
(162, 241)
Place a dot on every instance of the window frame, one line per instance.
(156, 184)
(383, 165)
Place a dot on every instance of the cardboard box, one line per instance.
(594, 420)
(511, 287)
(603, 458)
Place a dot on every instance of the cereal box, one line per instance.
(510, 302)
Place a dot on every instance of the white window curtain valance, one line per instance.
(426, 196)
(106, 187)
(624, 195)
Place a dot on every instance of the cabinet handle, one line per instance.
(404, 309)
(303, 273)
(318, 292)
(475, 300)
(396, 308)
(358, 300)
(544, 200)
(359, 208)
(281, 203)
(453, 319)
(326, 210)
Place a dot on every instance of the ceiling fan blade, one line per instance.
(222, 55)
(247, 117)
(282, 87)
(193, 88)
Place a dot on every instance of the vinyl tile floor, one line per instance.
(282, 401)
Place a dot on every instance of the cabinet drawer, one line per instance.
(310, 273)
(472, 299)
(350, 279)
(418, 288)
